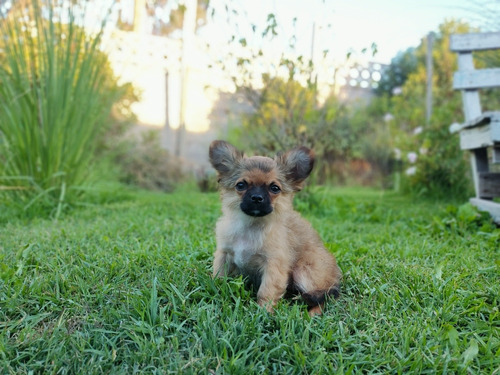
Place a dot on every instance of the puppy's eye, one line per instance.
(242, 185)
(274, 189)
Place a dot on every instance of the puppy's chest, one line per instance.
(248, 252)
(247, 246)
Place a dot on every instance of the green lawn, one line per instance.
(125, 287)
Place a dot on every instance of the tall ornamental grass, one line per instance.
(54, 101)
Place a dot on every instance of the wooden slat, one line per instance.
(485, 118)
(489, 185)
(491, 207)
(470, 98)
(481, 136)
(476, 79)
(474, 41)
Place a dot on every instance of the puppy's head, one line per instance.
(258, 184)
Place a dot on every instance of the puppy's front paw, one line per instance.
(267, 304)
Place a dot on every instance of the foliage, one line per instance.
(56, 94)
(397, 72)
(147, 165)
(372, 141)
(290, 111)
(353, 145)
(206, 179)
(125, 287)
(287, 114)
(434, 163)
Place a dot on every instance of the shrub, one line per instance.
(206, 179)
(145, 164)
(56, 93)
(440, 169)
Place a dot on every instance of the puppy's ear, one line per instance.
(223, 156)
(297, 165)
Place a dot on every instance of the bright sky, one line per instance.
(349, 25)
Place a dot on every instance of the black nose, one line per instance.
(257, 198)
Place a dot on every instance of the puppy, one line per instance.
(261, 237)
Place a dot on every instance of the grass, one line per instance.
(125, 287)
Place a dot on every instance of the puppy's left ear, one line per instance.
(223, 156)
(297, 165)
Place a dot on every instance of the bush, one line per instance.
(147, 165)
(56, 93)
(440, 170)
(206, 179)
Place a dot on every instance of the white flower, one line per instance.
(423, 151)
(418, 130)
(397, 91)
(397, 153)
(388, 117)
(455, 127)
(412, 157)
(411, 171)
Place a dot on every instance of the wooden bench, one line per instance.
(480, 134)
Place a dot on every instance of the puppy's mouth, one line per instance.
(256, 212)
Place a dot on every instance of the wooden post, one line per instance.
(481, 130)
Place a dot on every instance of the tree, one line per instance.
(397, 73)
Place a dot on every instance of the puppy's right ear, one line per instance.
(296, 165)
(223, 156)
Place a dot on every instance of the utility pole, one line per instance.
(167, 108)
(428, 63)
(188, 31)
(313, 40)
(313, 76)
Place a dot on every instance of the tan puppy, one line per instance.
(260, 235)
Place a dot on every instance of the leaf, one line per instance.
(451, 335)
(438, 274)
(471, 352)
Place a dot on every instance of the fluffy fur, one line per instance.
(260, 236)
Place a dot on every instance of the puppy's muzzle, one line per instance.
(256, 202)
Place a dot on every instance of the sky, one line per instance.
(344, 26)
